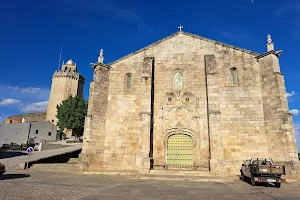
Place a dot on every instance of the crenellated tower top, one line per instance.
(69, 66)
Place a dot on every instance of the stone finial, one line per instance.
(269, 39)
(100, 57)
(270, 44)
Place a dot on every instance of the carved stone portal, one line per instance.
(179, 111)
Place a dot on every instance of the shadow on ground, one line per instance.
(247, 180)
(13, 176)
(10, 154)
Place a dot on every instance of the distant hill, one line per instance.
(30, 117)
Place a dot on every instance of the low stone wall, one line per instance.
(63, 158)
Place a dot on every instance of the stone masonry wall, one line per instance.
(122, 144)
(242, 117)
(278, 121)
(95, 123)
(216, 150)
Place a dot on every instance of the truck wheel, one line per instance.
(242, 177)
(252, 181)
(277, 185)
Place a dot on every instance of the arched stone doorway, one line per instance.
(180, 151)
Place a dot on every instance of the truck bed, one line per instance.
(267, 169)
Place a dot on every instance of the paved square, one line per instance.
(42, 185)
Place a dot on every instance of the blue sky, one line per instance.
(32, 32)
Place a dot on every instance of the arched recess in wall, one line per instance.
(128, 81)
(234, 77)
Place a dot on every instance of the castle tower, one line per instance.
(65, 82)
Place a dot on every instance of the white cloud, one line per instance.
(7, 102)
(25, 90)
(295, 111)
(297, 129)
(110, 8)
(290, 94)
(35, 107)
(290, 7)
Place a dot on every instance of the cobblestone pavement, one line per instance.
(13, 163)
(59, 186)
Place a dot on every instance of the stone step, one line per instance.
(57, 167)
(74, 160)
(218, 179)
(181, 173)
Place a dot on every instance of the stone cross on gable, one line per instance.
(180, 27)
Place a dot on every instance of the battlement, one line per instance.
(68, 74)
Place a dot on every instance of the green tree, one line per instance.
(70, 115)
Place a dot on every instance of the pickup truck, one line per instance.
(262, 171)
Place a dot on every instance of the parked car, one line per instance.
(4, 147)
(263, 171)
(36, 147)
(14, 146)
(11, 146)
(2, 169)
(25, 146)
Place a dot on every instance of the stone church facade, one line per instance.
(187, 102)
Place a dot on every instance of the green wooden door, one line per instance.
(180, 151)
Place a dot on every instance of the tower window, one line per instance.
(128, 81)
(36, 131)
(178, 82)
(234, 75)
(49, 133)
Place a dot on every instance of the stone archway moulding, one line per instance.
(175, 131)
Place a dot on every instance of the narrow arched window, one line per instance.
(178, 82)
(128, 81)
(234, 75)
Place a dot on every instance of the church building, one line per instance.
(187, 102)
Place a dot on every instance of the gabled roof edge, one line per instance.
(188, 34)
